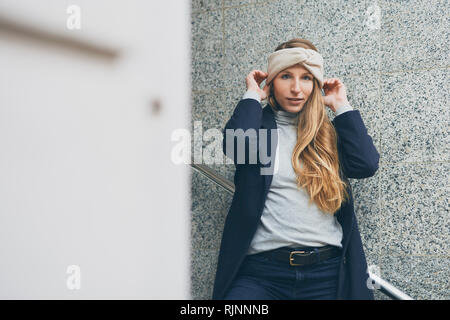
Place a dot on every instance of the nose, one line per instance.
(296, 86)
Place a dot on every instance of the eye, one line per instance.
(284, 76)
(308, 77)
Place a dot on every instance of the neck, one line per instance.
(285, 117)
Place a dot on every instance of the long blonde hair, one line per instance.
(315, 157)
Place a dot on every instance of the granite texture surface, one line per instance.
(396, 75)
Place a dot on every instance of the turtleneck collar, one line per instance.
(286, 118)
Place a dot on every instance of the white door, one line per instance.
(91, 206)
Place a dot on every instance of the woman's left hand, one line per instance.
(335, 93)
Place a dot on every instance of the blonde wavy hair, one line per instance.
(315, 157)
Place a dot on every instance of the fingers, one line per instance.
(331, 82)
(258, 74)
(255, 78)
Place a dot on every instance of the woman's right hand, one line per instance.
(253, 81)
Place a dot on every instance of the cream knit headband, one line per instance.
(285, 58)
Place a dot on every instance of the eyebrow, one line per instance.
(302, 73)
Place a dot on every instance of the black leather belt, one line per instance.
(302, 256)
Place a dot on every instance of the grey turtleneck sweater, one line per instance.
(287, 218)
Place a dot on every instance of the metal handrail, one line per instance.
(215, 177)
(388, 289)
(377, 282)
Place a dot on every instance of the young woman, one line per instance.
(292, 233)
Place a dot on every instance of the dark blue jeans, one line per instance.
(262, 279)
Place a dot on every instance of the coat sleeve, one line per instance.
(357, 154)
(240, 135)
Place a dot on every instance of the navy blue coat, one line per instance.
(358, 159)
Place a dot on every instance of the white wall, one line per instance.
(85, 171)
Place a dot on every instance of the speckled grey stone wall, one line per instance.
(397, 75)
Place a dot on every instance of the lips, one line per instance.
(295, 99)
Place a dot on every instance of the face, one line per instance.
(292, 87)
